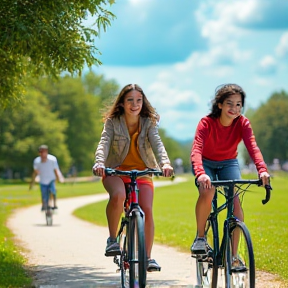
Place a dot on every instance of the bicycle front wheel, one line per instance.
(124, 264)
(239, 258)
(49, 218)
(137, 251)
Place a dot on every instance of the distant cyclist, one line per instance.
(46, 167)
(130, 140)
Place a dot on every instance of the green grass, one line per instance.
(175, 220)
(12, 264)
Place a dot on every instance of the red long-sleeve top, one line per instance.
(216, 142)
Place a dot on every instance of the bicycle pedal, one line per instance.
(154, 270)
(112, 253)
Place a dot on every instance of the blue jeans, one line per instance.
(221, 170)
(46, 189)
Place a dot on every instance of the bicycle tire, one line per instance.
(137, 251)
(124, 264)
(241, 275)
(49, 218)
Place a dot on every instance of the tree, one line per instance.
(40, 37)
(176, 150)
(270, 122)
(73, 100)
(24, 129)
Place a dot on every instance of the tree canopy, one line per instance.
(40, 37)
(269, 123)
(24, 129)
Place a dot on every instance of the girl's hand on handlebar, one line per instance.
(98, 170)
(167, 170)
(204, 181)
(264, 176)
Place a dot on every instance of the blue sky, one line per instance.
(180, 51)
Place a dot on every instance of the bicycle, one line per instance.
(239, 272)
(48, 208)
(132, 262)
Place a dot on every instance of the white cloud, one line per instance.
(166, 97)
(216, 61)
(267, 65)
(282, 48)
(219, 21)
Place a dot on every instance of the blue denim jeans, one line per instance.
(221, 170)
(46, 189)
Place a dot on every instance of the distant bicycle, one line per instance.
(132, 262)
(231, 264)
(48, 208)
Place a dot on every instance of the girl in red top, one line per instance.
(214, 153)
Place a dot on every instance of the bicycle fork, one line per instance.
(122, 238)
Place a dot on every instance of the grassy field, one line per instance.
(12, 263)
(175, 220)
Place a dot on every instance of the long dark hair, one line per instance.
(116, 109)
(222, 92)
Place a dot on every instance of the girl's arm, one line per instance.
(201, 133)
(103, 147)
(158, 146)
(252, 147)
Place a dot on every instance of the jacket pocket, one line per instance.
(119, 143)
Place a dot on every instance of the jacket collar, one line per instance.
(124, 126)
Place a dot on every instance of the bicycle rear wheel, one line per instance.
(136, 251)
(239, 260)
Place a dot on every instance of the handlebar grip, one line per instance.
(109, 172)
(268, 189)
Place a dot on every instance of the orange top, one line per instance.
(133, 159)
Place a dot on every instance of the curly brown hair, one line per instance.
(116, 109)
(222, 92)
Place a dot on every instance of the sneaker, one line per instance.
(42, 208)
(238, 265)
(112, 248)
(199, 246)
(152, 265)
(54, 208)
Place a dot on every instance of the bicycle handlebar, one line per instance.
(136, 173)
(268, 189)
(258, 182)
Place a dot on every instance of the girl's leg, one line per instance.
(203, 209)
(146, 202)
(238, 212)
(116, 189)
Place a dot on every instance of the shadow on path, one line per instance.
(87, 277)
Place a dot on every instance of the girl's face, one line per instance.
(133, 102)
(231, 107)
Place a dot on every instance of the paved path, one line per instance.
(71, 252)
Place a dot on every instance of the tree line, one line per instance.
(65, 115)
(270, 126)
